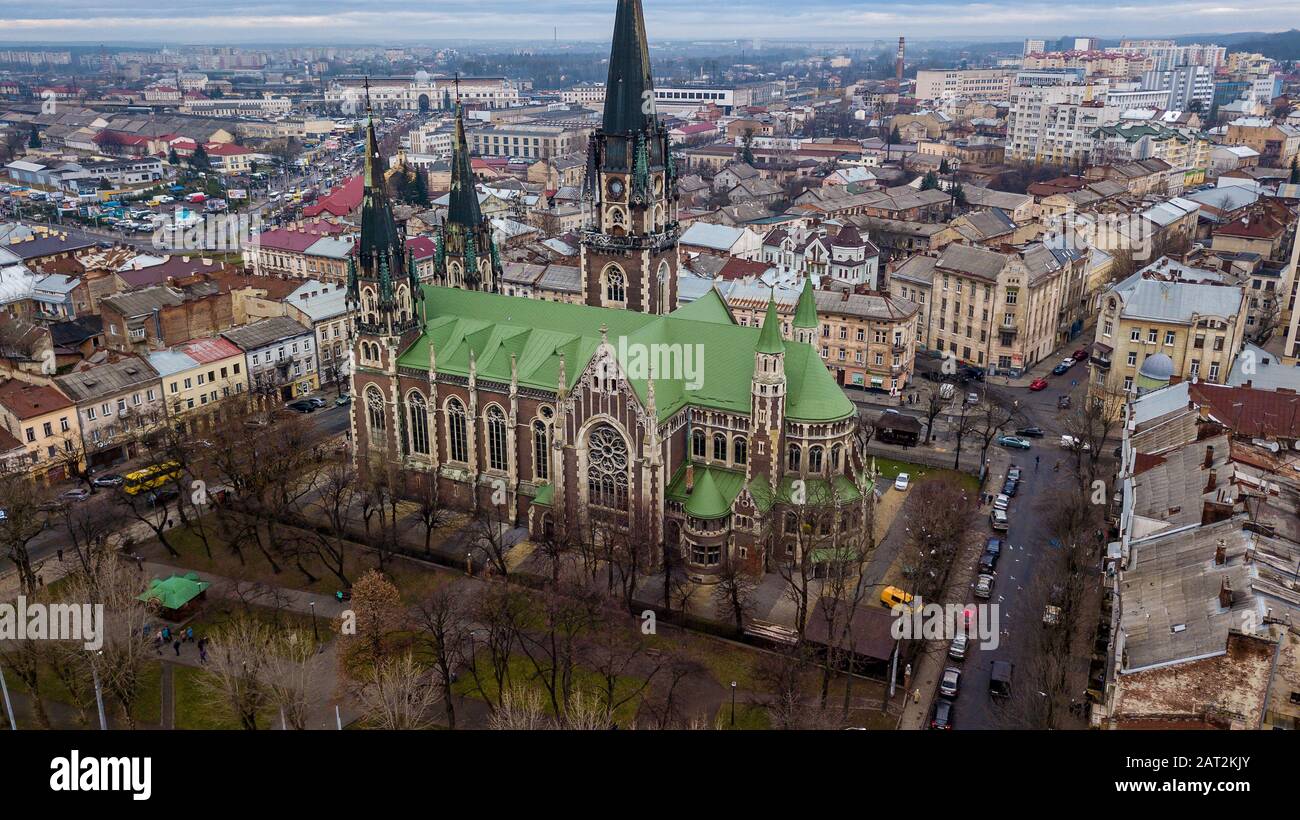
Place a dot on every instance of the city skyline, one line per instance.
(95, 21)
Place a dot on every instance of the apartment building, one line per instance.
(866, 340)
(322, 306)
(1165, 323)
(1055, 124)
(971, 84)
(1189, 86)
(311, 250)
(44, 422)
(197, 376)
(1003, 310)
(118, 403)
(280, 357)
(1131, 140)
(422, 93)
(1277, 143)
(529, 140)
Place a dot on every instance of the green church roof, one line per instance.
(708, 308)
(713, 494)
(769, 339)
(538, 333)
(805, 315)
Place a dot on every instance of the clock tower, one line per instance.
(629, 247)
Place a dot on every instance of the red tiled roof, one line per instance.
(737, 268)
(8, 443)
(206, 351)
(1251, 412)
(27, 401)
(341, 201)
(298, 238)
(421, 247)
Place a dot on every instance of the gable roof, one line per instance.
(539, 333)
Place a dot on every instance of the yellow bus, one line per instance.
(150, 477)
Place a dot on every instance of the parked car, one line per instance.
(1015, 442)
(1010, 487)
(987, 562)
(1081, 354)
(993, 546)
(1063, 402)
(942, 718)
(984, 587)
(1002, 502)
(893, 596)
(972, 398)
(302, 406)
(1062, 368)
(1013, 473)
(901, 482)
(1000, 679)
(1072, 443)
(951, 682)
(107, 480)
(1038, 384)
(342, 400)
(998, 521)
(957, 649)
(1030, 432)
(317, 400)
(77, 494)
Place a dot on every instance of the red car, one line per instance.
(1081, 354)
(1038, 384)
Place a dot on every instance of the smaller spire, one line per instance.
(805, 315)
(769, 338)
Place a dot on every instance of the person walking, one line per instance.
(1036, 463)
(176, 644)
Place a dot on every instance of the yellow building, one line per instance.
(1197, 328)
(45, 424)
(198, 375)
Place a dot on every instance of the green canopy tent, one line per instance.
(175, 597)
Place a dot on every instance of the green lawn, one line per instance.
(890, 468)
(147, 708)
(748, 716)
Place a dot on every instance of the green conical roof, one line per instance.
(769, 339)
(379, 232)
(805, 315)
(706, 500)
(629, 80)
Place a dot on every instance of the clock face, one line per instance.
(616, 188)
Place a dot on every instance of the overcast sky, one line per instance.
(375, 21)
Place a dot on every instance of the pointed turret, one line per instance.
(805, 315)
(769, 338)
(467, 256)
(382, 285)
(462, 203)
(629, 85)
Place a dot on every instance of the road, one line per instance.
(322, 425)
(1020, 602)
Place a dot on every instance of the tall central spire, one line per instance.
(629, 90)
(462, 202)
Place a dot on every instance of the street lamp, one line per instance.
(314, 633)
(733, 703)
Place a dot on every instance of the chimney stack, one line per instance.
(1209, 456)
(898, 63)
(1221, 552)
(1209, 487)
(1225, 594)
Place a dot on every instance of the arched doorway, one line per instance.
(424, 103)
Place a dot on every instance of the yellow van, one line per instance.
(893, 596)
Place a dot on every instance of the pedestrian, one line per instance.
(60, 554)
(189, 634)
(203, 653)
(916, 695)
(176, 644)
(166, 633)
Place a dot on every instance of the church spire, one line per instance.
(629, 87)
(462, 203)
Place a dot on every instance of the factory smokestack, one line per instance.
(898, 63)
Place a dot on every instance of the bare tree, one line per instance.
(24, 520)
(398, 694)
(233, 679)
(733, 595)
(444, 623)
